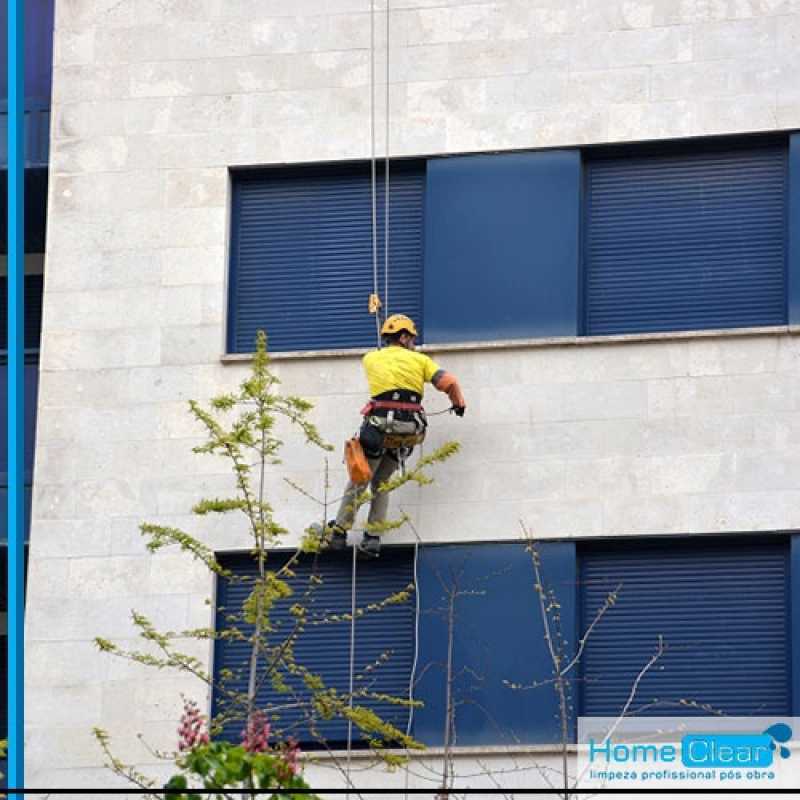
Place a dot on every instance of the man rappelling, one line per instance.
(394, 421)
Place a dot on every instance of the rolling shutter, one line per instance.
(682, 240)
(301, 255)
(325, 648)
(722, 609)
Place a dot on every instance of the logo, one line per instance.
(735, 750)
(696, 751)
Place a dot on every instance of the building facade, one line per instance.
(594, 216)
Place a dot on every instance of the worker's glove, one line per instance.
(459, 410)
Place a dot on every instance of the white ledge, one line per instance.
(524, 344)
(438, 752)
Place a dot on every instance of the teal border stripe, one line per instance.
(16, 384)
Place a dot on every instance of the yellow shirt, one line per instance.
(394, 367)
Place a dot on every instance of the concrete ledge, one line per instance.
(438, 752)
(525, 344)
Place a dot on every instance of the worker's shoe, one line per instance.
(370, 545)
(338, 536)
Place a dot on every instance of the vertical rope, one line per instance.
(373, 171)
(352, 665)
(386, 189)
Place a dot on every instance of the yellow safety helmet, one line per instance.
(397, 323)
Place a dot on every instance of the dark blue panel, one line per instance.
(683, 239)
(4, 508)
(31, 388)
(35, 210)
(794, 632)
(37, 134)
(794, 229)
(385, 635)
(34, 288)
(722, 609)
(501, 246)
(39, 20)
(301, 255)
(498, 636)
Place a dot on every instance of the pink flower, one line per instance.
(255, 737)
(292, 755)
(192, 731)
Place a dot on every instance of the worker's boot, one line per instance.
(338, 536)
(370, 546)
(332, 534)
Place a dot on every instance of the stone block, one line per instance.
(474, 59)
(99, 349)
(191, 344)
(175, 573)
(110, 309)
(98, 270)
(637, 121)
(96, 193)
(100, 154)
(114, 497)
(602, 87)
(327, 69)
(545, 519)
(81, 14)
(51, 665)
(68, 538)
(197, 188)
(165, 78)
(101, 578)
(752, 38)
(636, 515)
(748, 113)
(55, 501)
(716, 10)
(688, 474)
(192, 265)
(211, 114)
(549, 51)
(601, 476)
(74, 47)
(461, 23)
(603, 400)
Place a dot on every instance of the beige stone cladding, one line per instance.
(154, 101)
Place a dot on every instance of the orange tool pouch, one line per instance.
(357, 464)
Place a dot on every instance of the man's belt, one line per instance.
(390, 405)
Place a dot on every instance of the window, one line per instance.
(723, 610)
(384, 638)
(685, 237)
(301, 254)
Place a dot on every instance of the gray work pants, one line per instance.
(382, 469)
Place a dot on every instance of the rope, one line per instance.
(352, 665)
(386, 189)
(373, 175)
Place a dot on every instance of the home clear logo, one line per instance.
(736, 750)
(687, 752)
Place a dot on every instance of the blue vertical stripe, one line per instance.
(16, 400)
(793, 256)
(794, 622)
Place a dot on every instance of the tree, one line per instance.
(240, 427)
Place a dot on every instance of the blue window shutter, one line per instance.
(301, 254)
(722, 608)
(498, 638)
(325, 649)
(501, 248)
(686, 240)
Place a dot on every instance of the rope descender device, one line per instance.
(375, 304)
